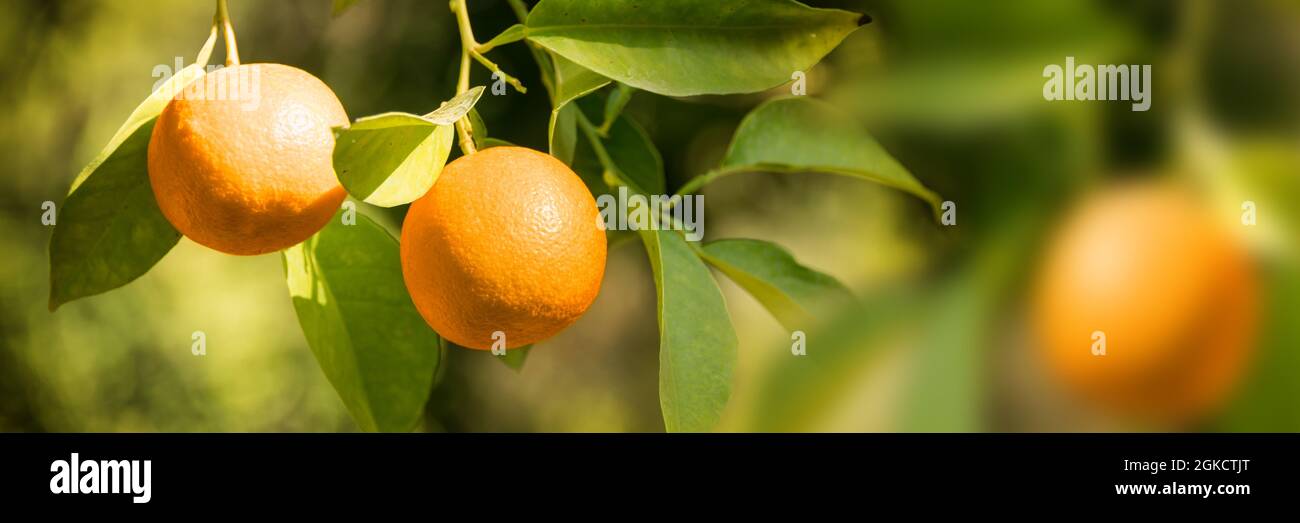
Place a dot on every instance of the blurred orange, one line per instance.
(1170, 288)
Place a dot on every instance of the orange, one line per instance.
(241, 160)
(1173, 292)
(506, 241)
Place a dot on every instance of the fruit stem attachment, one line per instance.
(223, 18)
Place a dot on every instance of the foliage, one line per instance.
(344, 281)
(932, 88)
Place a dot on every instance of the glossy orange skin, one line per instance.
(248, 171)
(507, 240)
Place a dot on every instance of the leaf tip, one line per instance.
(864, 19)
(55, 300)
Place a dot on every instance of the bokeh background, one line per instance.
(940, 341)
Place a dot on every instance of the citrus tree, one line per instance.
(504, 246)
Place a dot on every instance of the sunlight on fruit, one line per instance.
(241, 160)
(507, 241)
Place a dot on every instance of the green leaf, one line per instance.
(947, 386)
(801, 392)
(636, 157)
(341, 5)
(490, 142)
(482, 139)
(697, 344)
(571, 81)
(689, 47)
(450, 111)
(563, 134)
(806, 135)
(511, 35)
(110, 231)
(625, 150)
(1266, 401)
(479, 127)
(799, 297)
(944, 334)
(392, 159)
(376, 350)
(614, 105)
(514, 358)
(587, 165)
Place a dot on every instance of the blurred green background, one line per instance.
(939, 343)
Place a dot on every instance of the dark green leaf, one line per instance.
(697, 344)
(799, 297)
(626, 151)
(614, 105)
(636, 157)
(689, 47)
(110, 230)
(563, 137)
(587, 165)
(376, 350)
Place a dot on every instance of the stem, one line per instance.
(598, 147)
(232, 49)
(694, 184)
(469, 48)
(514, 82)
(464, 128)
(539, 56)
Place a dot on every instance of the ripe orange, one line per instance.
(506, 240)
(1167, 283)
(241, 160)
